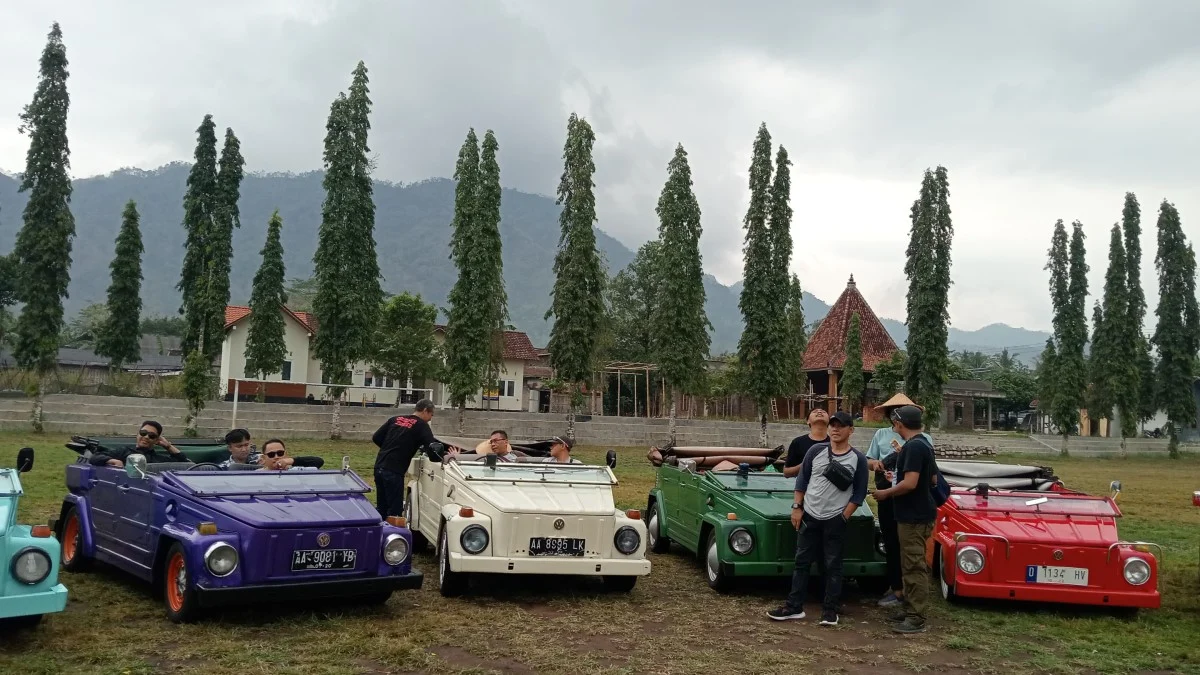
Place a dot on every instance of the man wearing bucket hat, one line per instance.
(888, 441)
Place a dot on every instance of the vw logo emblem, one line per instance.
(559, 523)
(1058, 555)
(323, 539)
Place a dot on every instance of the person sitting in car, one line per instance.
(241, 450)
(147, 443)
(497, 444)
(274, 457)
(560, 451)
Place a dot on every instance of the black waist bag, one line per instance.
(837, 473)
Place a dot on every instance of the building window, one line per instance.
(506, 388)
(367, 379)
(286, 373)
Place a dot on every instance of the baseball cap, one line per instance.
(842, 417)
(560, 439)
(908, 415)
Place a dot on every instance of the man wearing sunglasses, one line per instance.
(148, 442)
(274, 457)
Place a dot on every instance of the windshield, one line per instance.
(269, 482)
(546, 473)
(757, 480)
(1031, 502)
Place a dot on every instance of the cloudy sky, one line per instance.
(1039, 110)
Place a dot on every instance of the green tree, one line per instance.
(120, 336)
(346, 268)
(83, 329)
(632, 298)
(266, 348)
(928, 270)
(853, 383)
(8, 295)
(43, 245)
(889, 374)
(1139, 395)
(797, 337)
(1044, 378)
(405, 347)
(492, 264)
(1115, 342)
(577, 301)
(680, 325)
(1068, 293)
(226, 218)
(1177, 335)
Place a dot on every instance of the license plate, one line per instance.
(1045, 574)
(324, 559)
(556, 546)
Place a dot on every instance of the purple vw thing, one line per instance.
(205, 537)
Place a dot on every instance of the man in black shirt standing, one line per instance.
(818, 432)
(915, 512)
(399, 439)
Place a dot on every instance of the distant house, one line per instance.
(75, 361)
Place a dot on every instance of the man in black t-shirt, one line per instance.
(914, 511)
(818, 432)
(399, 439)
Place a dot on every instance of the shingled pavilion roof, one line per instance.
(827, 346)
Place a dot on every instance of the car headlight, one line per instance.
(221, 559)
(31, 566)
(474, 539)
(395, 549)
(970, 560)
(627, 540)
(1137, 571)
(741, 541)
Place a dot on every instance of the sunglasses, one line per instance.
(148, 434)
(276, 453)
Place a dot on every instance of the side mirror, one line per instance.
(743, 470)
(25, 460)
(135, 466)
(1115, 486)
(611, 459)
(437, 449)
(345, 463)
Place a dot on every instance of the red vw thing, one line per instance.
(1015, 532)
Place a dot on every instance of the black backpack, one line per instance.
(939, 489)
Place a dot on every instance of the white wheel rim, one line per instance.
(942, 576)
(408, 509)
(181, 581)
(713, 563)
(445, 555)
(652, 531)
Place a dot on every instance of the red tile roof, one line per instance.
(827, 346)
(235, 313)
(517, 345)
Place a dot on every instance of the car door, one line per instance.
(668, 484)
(101, 507)
(428, 491)
(134, 518)
(690, 500)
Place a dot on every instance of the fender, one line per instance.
(453, 525)
(86, 535)
(722, 526)
(654, 504)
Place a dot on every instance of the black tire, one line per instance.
(179, 594)
(450, 583)
(621, 584)
(716, 577)
(17, 623)
(72, 528)
(419, 542)
(657, 542)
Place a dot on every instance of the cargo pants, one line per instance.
(913, 537)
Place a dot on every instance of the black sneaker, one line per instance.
(909, 626)
(828, 619)
(785, 614)
(897, 617)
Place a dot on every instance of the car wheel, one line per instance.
(621, 584)
(450, 583)
(419, 542)
(946, 588)
(20, 623)
(717, 579)
(71, 538)
(658, 543)
(178, 592)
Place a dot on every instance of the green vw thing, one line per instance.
(732, 507)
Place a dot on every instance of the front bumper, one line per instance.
(307, 590)
(464, 562)
(1072, 595)
(45, 602)
(784, 568)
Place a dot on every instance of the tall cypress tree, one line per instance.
(853, 382)
(43, 245)
(577, 300)
(928, 270)
(348, 293)
(757, 304)
(1115, 343)
(1177, 335)
(1068, 292)
(227, 218)
(937, 360)
(266, 349)
(680, 324)
(120, 334)
(1143, 390)
(1062, 408)
(492, 263)
(797, 337)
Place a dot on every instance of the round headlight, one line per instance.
(221, 559)
(474, 539)
(31, 566)
(627, 540)
(741, 541)
(1137, 571)
(970, 560)
(395, 549)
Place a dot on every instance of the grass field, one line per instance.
(670, 623)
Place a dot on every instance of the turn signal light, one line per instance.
(732, 516)
(466, 512)
(1137, 547)
(398, 521)
(960, 537)
(633, 514)
(207, 528)
(41, 531)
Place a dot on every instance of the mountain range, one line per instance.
(412, 237)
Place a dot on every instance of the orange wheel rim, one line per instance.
(176, 580)
(70, 539)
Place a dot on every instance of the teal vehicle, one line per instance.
(29, 585)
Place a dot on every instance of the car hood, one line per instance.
(776, 505)
(297, 510)
(533, 497)
(1059, 529)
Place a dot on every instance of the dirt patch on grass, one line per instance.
(458, 657)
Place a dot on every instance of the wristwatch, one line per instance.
(796, 506)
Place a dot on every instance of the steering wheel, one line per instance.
(203, 465)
